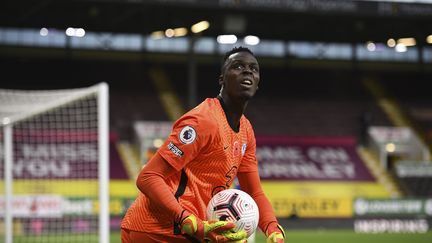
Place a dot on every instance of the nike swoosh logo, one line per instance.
(225, 147)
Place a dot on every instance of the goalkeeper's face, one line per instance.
(240, 76)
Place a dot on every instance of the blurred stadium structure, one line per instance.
(343, 116)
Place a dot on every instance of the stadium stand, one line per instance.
(414, 99)
(414, 103)
(129, 107)
(418, 186)
(312, 86)
(414, 177)
(296, 102)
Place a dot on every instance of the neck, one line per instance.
(233, 110)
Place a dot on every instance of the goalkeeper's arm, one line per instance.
(250, 183)
(151, 182)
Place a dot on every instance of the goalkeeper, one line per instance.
(208, 147)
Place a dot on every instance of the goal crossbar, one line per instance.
(11, 113)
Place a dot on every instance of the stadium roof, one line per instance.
(311, 20)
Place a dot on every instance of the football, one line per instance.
(237, 206)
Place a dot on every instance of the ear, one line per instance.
(221, 80)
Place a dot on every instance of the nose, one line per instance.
(247, 69)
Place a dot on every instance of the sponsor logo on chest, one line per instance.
(237, 149)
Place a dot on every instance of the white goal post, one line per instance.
(54, 165)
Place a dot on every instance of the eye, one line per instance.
(238, 66)
(254, 68)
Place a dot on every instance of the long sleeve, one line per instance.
(151, 182)
(250, 183)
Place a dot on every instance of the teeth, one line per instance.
(247, 81)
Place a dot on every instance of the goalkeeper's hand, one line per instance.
(275, 234)
(212, 231)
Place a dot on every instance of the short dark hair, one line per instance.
(232, 51)
(236, 50)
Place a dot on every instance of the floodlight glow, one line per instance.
(180, 32)
(407, 41)
(43, 32)
(401, 48)
(70, 31)
(391, 42)
(251, 40)
(169, 33)
(390, 147)
(157, 142)
(370, 46)
(80, 32)
(157, 34)
(429, 39)
(6, 121)
(226, 39)
(77, 32)
(200, 26)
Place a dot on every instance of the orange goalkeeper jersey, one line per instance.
(207, 154)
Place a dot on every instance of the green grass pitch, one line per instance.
(335, 236)
(292, 236)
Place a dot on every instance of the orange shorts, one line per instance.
(130, 236)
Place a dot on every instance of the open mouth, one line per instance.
(247, 82)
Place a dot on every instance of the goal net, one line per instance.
(54, 165)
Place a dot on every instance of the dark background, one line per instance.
(298, 96)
